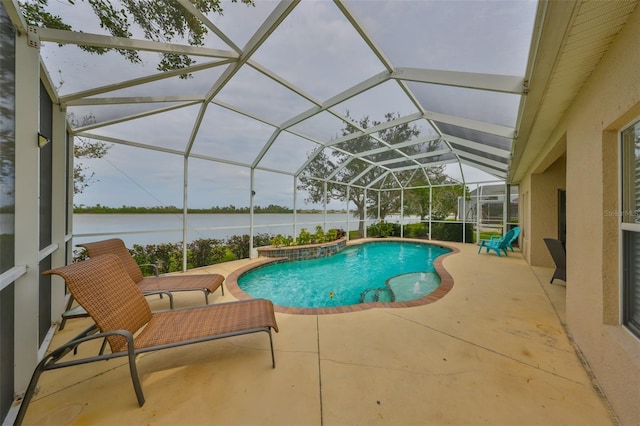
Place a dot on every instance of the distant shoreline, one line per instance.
(198, 211)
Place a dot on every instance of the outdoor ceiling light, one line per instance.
(42, 140)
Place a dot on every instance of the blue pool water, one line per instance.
(371, 272)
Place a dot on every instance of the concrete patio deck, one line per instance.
(493, 351)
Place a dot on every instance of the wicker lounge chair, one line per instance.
(206, 283)
(559, 255)
(162, 285)
(118, 307)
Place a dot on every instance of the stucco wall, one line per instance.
(609, 101)
(544, 210)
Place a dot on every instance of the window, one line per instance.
(630, 224)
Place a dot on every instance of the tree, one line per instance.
(161, 21)
(84, 148)
(348, 169)
(444, 198)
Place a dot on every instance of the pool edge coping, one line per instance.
(446, 283)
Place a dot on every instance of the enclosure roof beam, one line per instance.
(142, 80)
(120, 141)
(111, 42)
(396, 146)
(415, 157)
(189, 7)
(133, 100)
(281, 11)
(434, 164)
(133, 117)
(481, 126)
(477, 146)
(468, 80)
(382, 126)
(379, 178)
(486, 161)
(491, 171)
(341, 97)
(363, 173)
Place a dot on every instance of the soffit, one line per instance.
(575, 37)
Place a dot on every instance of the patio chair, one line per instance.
(71, 312)
(122, 316)
(516, 234)
(498, 244)
(206, 283)
(559, 255)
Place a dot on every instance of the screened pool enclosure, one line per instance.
(344, 106)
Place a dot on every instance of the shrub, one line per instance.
(303, 238)
(167, 256)
(239, 245)
(332, 235)
(383, 229)
(205, 251)
(261, 240)
(340, 233)
(319, 236)
(281, 241)
(451, 231)
(416, 230)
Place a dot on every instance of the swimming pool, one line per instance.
(370, 272)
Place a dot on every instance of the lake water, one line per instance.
(146, 229)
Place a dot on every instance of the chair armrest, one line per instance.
(153, 265)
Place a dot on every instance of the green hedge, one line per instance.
(451, 231)
(201, 252)
(444, 231)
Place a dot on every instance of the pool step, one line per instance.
(383, 294)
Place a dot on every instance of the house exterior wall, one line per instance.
(591, 127)
(544, 213)
(539, 210)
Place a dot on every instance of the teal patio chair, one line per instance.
(498, 244)
(516, 234)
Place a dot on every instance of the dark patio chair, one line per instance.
(559, 255)
(122, 315)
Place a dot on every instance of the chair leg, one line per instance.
(273, 357)
(30, 391)
(133, 370)
(66, 308)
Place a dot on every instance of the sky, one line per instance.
(318, 51)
